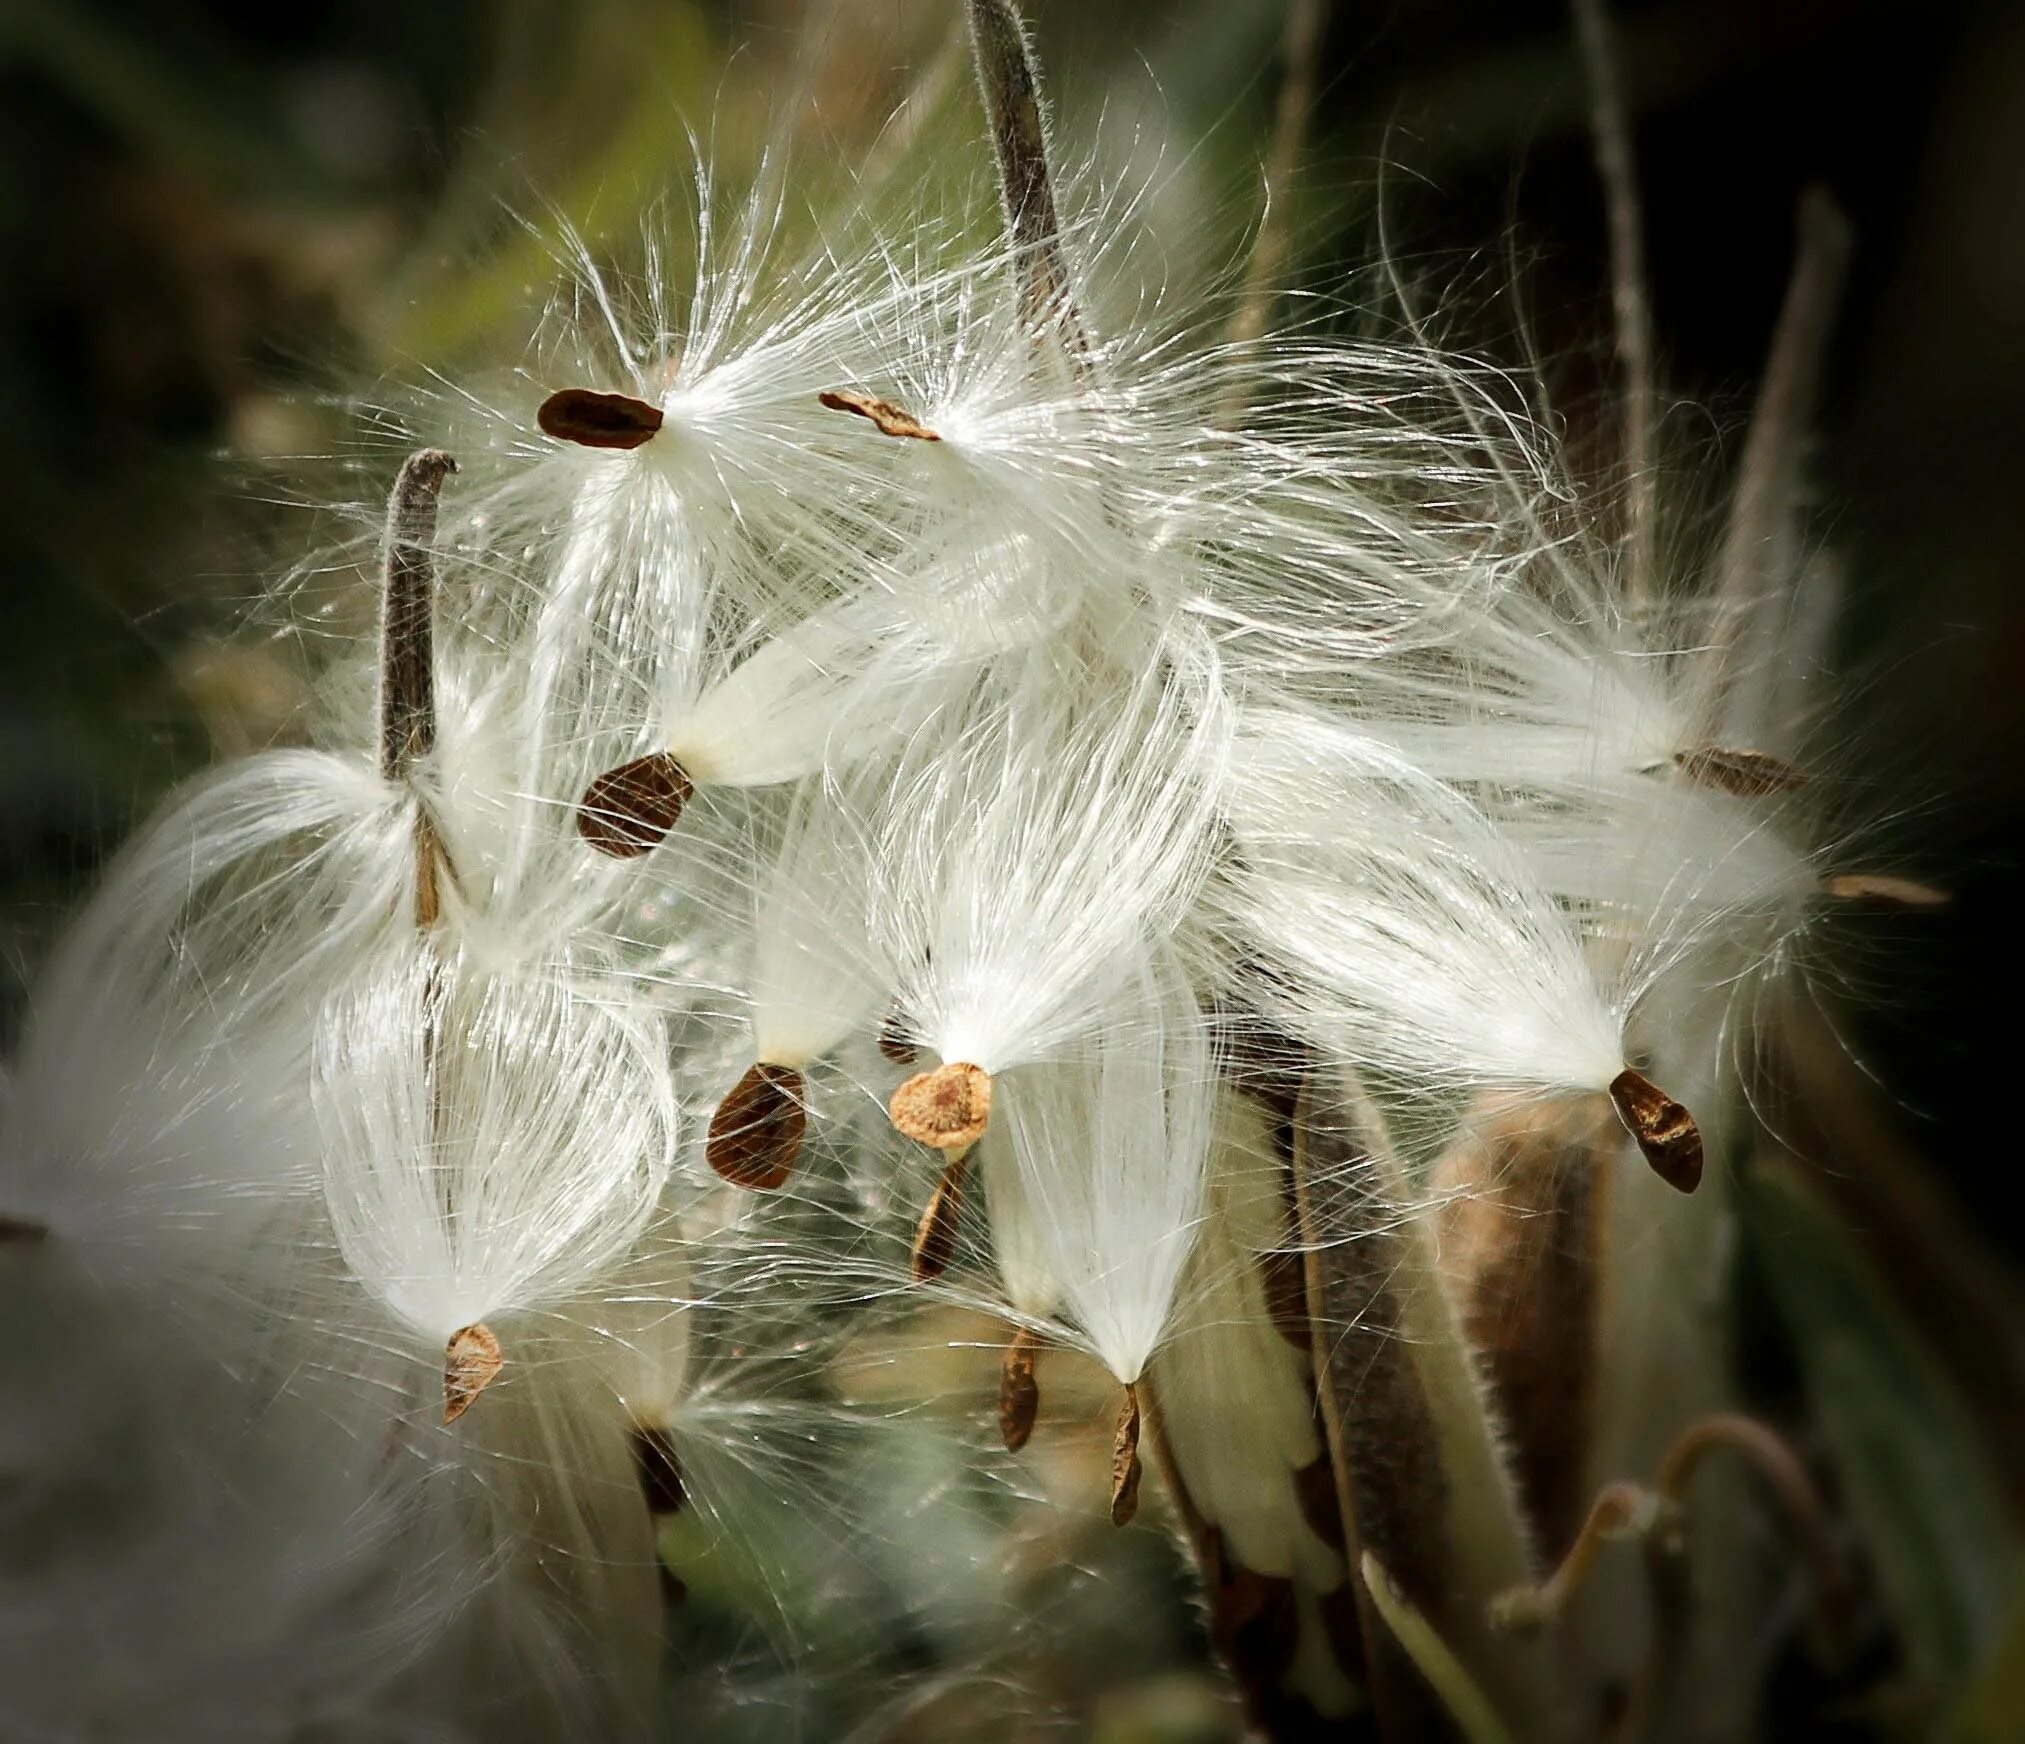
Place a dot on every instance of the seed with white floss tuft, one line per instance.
(471, 1363)
(1666, 1132)
(948, 1107)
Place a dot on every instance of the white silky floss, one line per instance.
(1033, 849)
(491, 1142)
(1405, 934)
(1107, 1152)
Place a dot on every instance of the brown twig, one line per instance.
(1300, 50)
(1630, 300)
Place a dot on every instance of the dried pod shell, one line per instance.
(627, 811)
(889, 419)
(757, 1130)
(598, 420)
(1666, 1132)
(1019, 1394)
(935, 1238)
(471, 1363)
(1748, 774)
(1126, 1469)
(947, 1108)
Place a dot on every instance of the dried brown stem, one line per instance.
(1300, 49)
(1010, 87)
(1630, 300)
(1624, 1510)
(1783, 1474)
(1620, 1510)
(1768, 472)
(408, 651)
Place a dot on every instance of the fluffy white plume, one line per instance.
(491, 1142)
(1108, 1150)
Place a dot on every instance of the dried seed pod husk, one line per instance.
(471, 1363)
(1666, 1132)
(1525, 1214)
(757, 1131)
(628, 811)
(1230, 1412)
(947, 1108)
(1423, 1484)
(594, 419)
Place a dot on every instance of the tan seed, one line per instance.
(947, 1108)
(471, 1363)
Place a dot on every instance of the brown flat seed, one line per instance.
(660, 1472)
(598, 420)
(21, 1231)
(1750, 774)
(947, 1108)
(757, 1130)
(471, 1363)
(1126, 1469)
(890, 420)
(935, 1239)
(1019, 1394)
(627, 811)
(1881, 887)
(1666, 1132)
